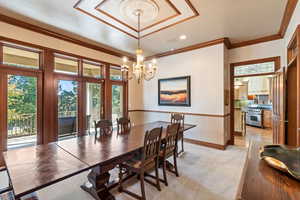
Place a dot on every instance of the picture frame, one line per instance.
(174, 91)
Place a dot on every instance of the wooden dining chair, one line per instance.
(123, 125)
(105, 127)
(179, 118)
(145, 161)
(169, 149)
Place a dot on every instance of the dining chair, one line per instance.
(169, 149)
(146, 160)
(105, 126)
(179, 118)
(123, 125)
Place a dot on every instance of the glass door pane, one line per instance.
(21, 111)
(93, 105)
(117, 102)
(67, 108)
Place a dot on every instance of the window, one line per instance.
(65, 64)
(67, 108)
(115, 74)
(93, 105)
(91, 69)
(21, 57)
(267, 67)
(21, 110)
(117, 102)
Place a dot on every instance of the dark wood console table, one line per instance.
(261, 182)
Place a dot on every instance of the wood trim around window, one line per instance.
(3, 112)
(48, 85)
(4, 72)
(276, 60)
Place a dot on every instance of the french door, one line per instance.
(21, 97)
(93, 106)
(118, 103)
(279, 103)
(79, 105)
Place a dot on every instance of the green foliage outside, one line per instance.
(116, 98)
(21, 96)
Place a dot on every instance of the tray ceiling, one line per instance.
(100, 22)
(170, 13)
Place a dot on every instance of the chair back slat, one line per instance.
(177, 118)
(152, 144)
(123, 125)
(171, 139)
(105, 127)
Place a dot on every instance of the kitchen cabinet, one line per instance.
(241, 92)
(259, 85)
(267, 118)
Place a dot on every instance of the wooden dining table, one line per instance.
(36, 167)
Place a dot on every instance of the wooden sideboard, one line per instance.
(261, 182)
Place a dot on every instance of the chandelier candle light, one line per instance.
(140, 69)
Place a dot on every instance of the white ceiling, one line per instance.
(240, 20)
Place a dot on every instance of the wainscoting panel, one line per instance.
(210, 129)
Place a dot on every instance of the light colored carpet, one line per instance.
(205, 174)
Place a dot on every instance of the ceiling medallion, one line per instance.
(140, 70)
(148, 8)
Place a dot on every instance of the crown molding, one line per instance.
(38, 29)
(289, 10)
(256, 41)
(192, 47)
(288, 13)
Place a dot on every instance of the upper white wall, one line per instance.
(205, 66)
(262, 50)
(18, 33)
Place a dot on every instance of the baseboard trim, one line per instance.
(206, 144)
(238, 133)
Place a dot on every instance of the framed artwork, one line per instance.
(174, 91)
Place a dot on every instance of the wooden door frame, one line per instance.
(65, 77)
(4, 72)
(276, 60)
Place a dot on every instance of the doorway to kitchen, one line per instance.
(252, 100)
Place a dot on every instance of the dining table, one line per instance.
(33, 168)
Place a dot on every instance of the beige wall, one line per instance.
(258, 51)
(206, 67)
(17, 33)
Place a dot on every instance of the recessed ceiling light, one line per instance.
(182, 37)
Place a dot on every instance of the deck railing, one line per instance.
(21, 125)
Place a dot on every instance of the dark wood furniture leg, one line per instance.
(97, 185)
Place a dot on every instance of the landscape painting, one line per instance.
(174, 91)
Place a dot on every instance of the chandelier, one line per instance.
(141, 70)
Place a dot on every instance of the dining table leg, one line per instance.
(96, 185)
